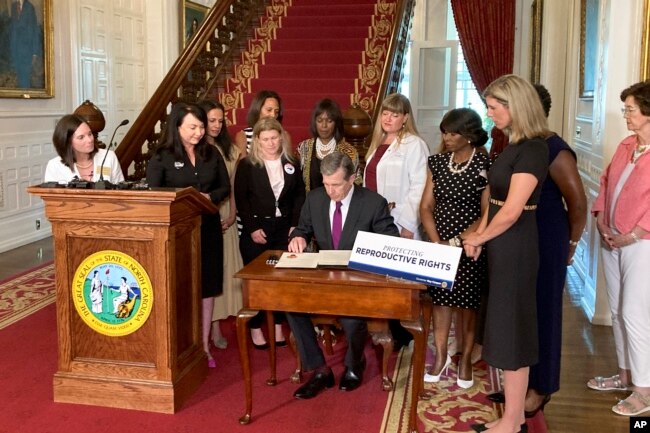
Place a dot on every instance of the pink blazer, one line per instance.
(633, 206)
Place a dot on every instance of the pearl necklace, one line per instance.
(322, 150)
(639, 150)
(454, 166)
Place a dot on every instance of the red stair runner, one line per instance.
(306, 50)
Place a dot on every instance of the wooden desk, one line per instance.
(340, 292)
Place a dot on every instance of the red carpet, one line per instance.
(307, 50)
(28, 362)
(25, 293)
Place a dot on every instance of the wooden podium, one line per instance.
(160, 364)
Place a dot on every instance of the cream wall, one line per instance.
(592, 126)
(112, 52)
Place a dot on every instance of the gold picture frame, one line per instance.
(536, 23)
(192, 17)
(645, 43)
(26, 52)
(588, 47)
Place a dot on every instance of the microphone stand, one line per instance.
(101, 183)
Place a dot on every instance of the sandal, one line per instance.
(613, 383)
(634, 405)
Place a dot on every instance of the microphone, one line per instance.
(101, 183)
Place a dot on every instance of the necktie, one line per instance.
(337, 226)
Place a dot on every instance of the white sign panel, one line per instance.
(423, 262)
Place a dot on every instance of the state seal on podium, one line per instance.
(112, 293)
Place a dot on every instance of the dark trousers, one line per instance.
(277, 238)
(311, 355)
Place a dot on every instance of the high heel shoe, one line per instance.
(465, 384)
(434, 378)
(532, 413)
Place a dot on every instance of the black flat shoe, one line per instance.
(282, 343)
(263, 346)
(497, 397)
(481, 427)
(317, 383)
(532, 413)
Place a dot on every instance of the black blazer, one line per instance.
(368, 212)
(209, 176)
(254, 197)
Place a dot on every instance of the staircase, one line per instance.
(349, 50)
(316, 49)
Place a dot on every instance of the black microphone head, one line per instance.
(124, 122)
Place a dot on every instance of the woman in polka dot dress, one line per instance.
(453, 200)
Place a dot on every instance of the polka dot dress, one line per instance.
(458, 205)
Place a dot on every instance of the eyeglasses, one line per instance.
(627, 110)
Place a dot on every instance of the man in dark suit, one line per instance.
(358, 208)
(25, 41)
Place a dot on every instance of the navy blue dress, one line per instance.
(553, 229)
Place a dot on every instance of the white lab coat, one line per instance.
(401, 177)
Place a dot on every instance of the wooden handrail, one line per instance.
(196, 72)
(154, 112)
(392, 71)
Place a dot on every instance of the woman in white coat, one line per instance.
(396, 163)
(396, 168)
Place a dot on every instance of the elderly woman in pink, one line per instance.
(622, 209)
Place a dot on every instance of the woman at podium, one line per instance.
(184, 159)
(78, 157)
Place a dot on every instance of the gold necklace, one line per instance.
(83, 167)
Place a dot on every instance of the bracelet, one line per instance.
(635, 237)
(573, 243)
(456, 242)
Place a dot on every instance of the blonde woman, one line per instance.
(396, 169)
(396, 163)
(269, 193)
(509, 229)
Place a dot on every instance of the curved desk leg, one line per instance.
(419, 332)
(270, 324)
(242, 338)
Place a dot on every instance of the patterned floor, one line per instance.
(451, 408)
(23, 295)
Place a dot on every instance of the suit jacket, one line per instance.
(368, 212)
(254, 196)
(210, 176)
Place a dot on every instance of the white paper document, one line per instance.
(324, 258)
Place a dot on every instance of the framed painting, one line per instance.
(588, 46)
(192, 17)
(26, 68)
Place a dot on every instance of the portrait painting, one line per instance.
(193, 15)
(26, 49)
(588, 46)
